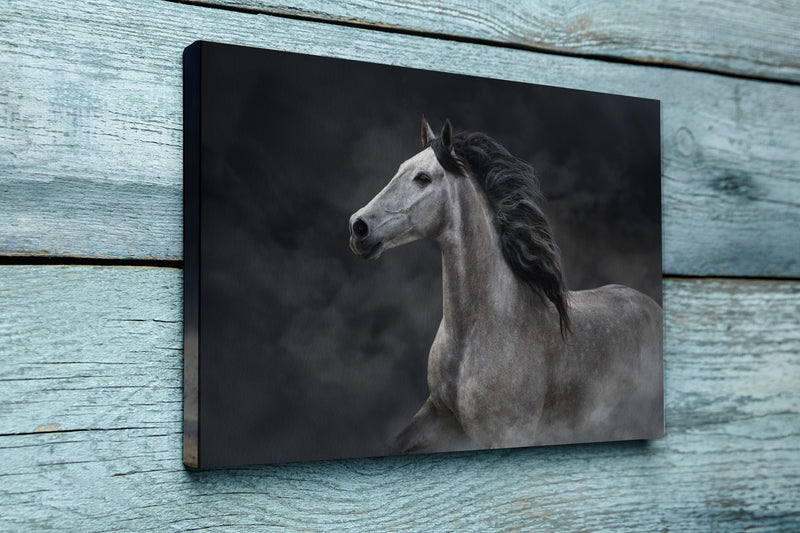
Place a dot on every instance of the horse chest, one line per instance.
(444, 368)
(449, 370)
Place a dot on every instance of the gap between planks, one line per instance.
(43, 260)
(54, 260)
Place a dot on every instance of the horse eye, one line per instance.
(423, 179)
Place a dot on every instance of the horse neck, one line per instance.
(477, 281)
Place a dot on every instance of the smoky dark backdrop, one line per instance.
(309, 352)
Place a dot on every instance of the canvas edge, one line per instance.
(192, 55)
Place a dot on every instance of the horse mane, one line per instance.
(513, 191)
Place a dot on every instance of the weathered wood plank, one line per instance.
(90, 429)
(747, 38)
(91, 132)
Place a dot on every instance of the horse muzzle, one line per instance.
(362, 243)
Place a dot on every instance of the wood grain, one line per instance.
(90, 429)
(750, 38)
(91, 130)
(91, 357)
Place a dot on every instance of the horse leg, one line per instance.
(431, 425)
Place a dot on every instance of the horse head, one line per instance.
(413, 204)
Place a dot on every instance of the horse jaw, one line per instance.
(371, 253)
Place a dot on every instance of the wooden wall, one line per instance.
(91, 280)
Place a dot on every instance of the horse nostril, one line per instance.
(360, 228)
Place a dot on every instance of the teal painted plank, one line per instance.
(91, 139)
(90, 429)
(99, 481)
(112, 334)
(751, 38)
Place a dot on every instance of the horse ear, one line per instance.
(447, 135)
(427, 133)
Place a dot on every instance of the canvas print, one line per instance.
(382, 260)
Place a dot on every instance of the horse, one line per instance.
(518, 359)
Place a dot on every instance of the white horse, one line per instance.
(518, 359)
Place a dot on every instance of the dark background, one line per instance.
(309, 352)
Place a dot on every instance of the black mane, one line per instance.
(513, 191)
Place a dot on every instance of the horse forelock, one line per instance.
(511, 186)
(445, 158)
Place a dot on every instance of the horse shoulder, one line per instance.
(502, 383)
